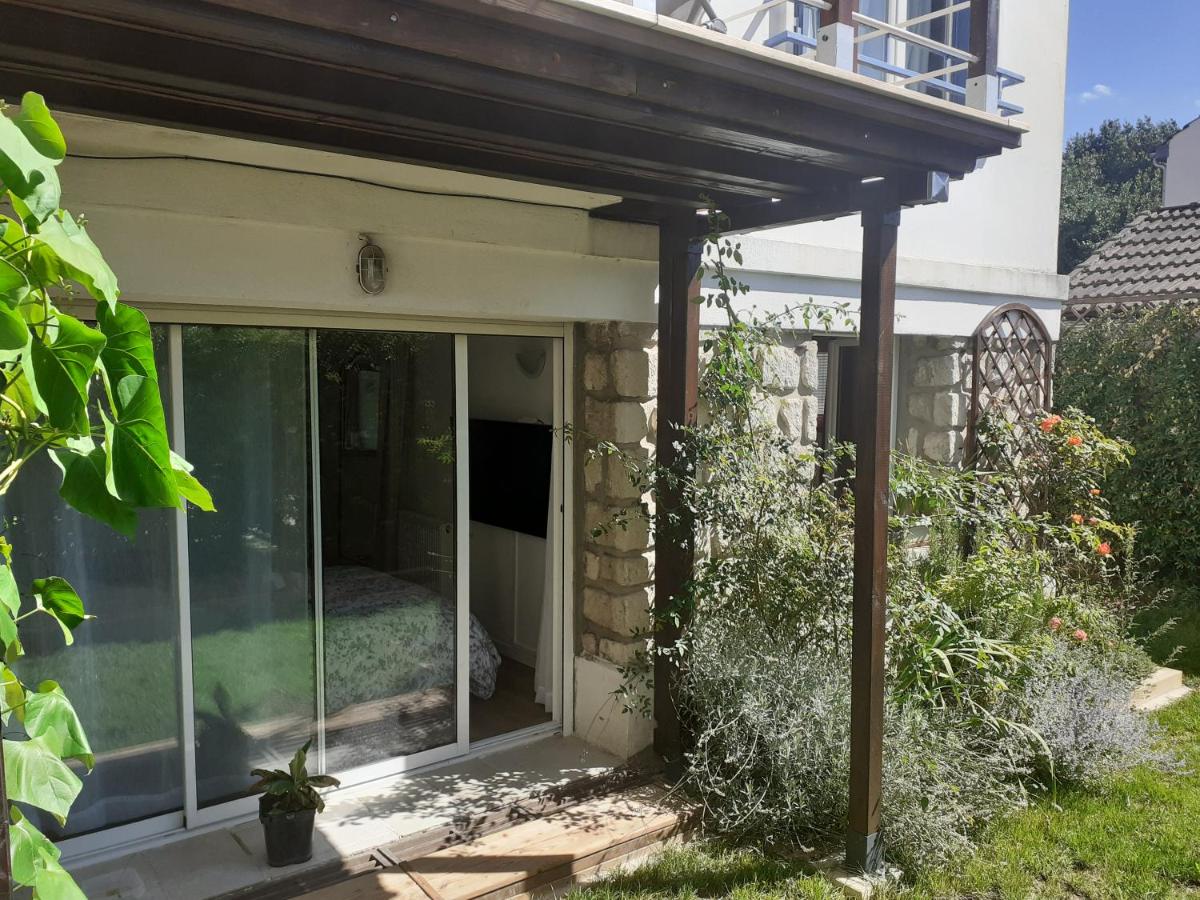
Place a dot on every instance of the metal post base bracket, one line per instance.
(855, 884)
(864, 852)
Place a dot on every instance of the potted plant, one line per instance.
(288, 808)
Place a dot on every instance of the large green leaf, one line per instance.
(10, 593)
(39, 127)
(34, 774)
(62, 249)
(14, 694)
(139, 456)
(26, 172)
(85, 487)
(32, 851)
(35, 862)
(187, 485)
(10, 606)
(50, 716)
(21, 401)
(14, 333)
(12, 279)
(130, 350)
(61, 366)
(55, 883)
(58, 599)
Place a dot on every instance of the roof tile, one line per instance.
(1157, 255)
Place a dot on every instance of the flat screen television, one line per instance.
(510, 474)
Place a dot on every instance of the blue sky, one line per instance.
(1130, 58)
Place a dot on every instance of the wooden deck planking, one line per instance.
(524, 857)
(386, 884)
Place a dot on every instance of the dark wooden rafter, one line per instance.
(840, 12)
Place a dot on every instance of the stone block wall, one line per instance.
(619, 363)
(790, 379)
(619, 380)
(934, 397)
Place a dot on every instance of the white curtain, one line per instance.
(543, 671)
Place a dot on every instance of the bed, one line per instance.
(385, 636)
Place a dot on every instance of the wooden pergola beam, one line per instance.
(512, 85)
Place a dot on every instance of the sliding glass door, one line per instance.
(386, 442)
(250, 585)
(327, 598)
(122, 673)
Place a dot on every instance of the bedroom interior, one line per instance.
(510, 406)
(385, 408)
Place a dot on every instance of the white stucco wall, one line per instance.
(1182, 182)
(1006, 215)
(996, 239)
(209, 234)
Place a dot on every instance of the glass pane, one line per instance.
(386, 416)
(122, 673)
(253, 660)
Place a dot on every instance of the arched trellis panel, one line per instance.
(1012, 372)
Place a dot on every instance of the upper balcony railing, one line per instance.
(944, 48)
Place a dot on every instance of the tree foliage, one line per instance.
(1108, 178)
(88, 395)
(1138, 375)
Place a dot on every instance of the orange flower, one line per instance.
(1080, 635)
(1074, 440)
(1077, 519)
(1048, 423)
(1104, 549)
(1095, 492)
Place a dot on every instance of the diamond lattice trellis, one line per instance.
(1011, 378)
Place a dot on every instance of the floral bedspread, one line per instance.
(385, 637)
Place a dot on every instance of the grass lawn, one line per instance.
(1138, 838)
(707, 870)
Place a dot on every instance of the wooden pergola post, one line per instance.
(674, 537)
(983, 76)
(864, 848)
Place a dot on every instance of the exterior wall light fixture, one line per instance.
(371, 266)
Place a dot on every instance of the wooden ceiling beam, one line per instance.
(104, 97)
(428, 43)
(839, 199)
(171, 64)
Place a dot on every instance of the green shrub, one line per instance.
(1014, 564)
(1138, 375)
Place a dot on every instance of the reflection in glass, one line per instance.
(253, 658)
(386, 411)
(121, 673)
